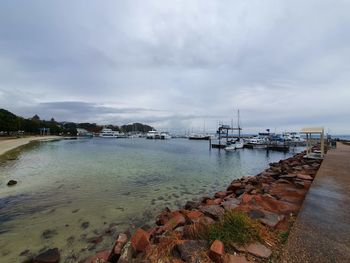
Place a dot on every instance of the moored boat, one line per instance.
(108, 133)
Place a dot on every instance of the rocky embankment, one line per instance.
(271, 200)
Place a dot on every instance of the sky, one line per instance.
(179, 65)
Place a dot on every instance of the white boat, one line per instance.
(196, 136)
(153, 135)
(239, 144)
(108, 133)
(165, 136)
(257, 142)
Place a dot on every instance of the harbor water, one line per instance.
(78, 194)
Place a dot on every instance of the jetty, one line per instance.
(321, 232)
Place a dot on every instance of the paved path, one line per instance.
(321, 232)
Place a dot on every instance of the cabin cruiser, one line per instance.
(257, 142)
(108, 133)
(165, 136)
(153, 135)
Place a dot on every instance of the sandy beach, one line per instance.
(10, 144)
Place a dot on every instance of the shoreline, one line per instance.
(8, 145)
(270, 200)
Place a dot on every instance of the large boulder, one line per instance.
(214, 211)
(230, 203)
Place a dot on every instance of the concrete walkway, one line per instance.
(321, 232)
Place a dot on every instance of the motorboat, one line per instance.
(108, 133)
(239, 144)
(153, 135)
(257, 142)
(197, 136)
(165, 136)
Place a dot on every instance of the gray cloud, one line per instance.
(178, 64)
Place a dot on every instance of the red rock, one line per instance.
(163, 217)
(246, 198)
(140, 240)
(234, 186)
(304, 177)
(205, 220)
(216, 201)
(229, 258)
(221, 195)
(175, 221)
(193, 215)
(271, 204)
(100, 257)
(217, 250)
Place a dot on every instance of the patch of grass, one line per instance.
(233, 227)
(283, 236)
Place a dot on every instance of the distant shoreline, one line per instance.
(7, 145)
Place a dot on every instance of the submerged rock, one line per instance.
(84, 225)
(49, 256)
(11, 182)
(49, 233)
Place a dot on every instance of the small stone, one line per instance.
(84, 225)
(11, 182)
(49, 256)
(49, 233)
(95, 240)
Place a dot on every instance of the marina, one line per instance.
(128, 181)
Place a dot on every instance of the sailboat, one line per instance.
(239, 143)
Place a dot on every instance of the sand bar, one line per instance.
(10, 144)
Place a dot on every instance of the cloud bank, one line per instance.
(178, 64)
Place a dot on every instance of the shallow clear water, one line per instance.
(123, 182)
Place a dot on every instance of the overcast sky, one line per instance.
(179, 64)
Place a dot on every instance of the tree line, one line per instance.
(13, 124)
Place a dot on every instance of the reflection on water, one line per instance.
(78, 194)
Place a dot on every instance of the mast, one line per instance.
(239, 129)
